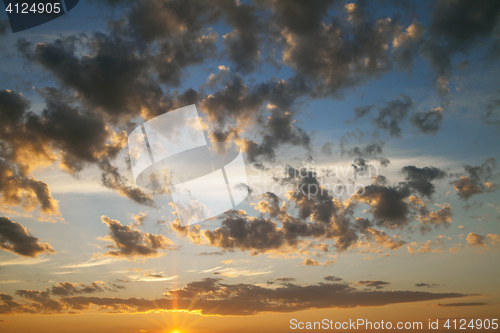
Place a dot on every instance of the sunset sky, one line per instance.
(370, 131)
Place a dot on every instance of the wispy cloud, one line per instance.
(9, 281)
(92, 262)
(23, 261)
(236, 271)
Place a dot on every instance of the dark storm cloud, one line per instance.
(428, 122)
(129, 243)
(217, 298)
(15, 238)
(477, 180)
(420, 179)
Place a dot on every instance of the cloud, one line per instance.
(41, 301)
(122, 90)
(310, 262)
(261, 235)
(286, 279)
(242, 44)
(387, 203)
(174, 57)
(3, 27)
(14, 237)
(218, 298)
(381, 239)
(96, 261)
(428, 285)
(215, 253)
(476, 180)
(129, 242)
(23, 261)
(73, 136)
(439, 217)
(406, 45)
(68, 289)
(332, 278)
(420, 179)
(463, 23)
(494, 239)
(243, 271)
(390, 116)
(367, 151)
(476, 240)
(18, 189)
(335, 55)
(428, 122)
(112, 178)
(461, 304)
(375, 284)
(492, 114)
(150, 276)
(138, 219)
(160, 20)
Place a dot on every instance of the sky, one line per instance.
(370, 134)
